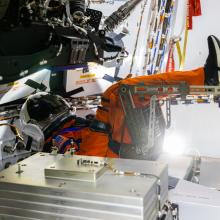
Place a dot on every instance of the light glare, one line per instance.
(174, 144)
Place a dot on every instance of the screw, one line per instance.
(19, 169)
(61, 184)
(132, 190)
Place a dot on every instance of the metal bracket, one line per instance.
(152, 119)
(168, 112)
(205, 90)
(141, 128)
(141, 122)
(79, 48)
(134, 116)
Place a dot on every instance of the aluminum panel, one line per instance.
(30, 194)
(77, 168)
(207, 176)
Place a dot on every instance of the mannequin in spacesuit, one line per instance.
(104, 135)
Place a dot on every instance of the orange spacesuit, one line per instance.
(111, 113)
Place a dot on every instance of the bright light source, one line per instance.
(174, 144)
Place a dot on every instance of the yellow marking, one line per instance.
(13, 83)
(200, 100)
(88, 75)
(11, 86)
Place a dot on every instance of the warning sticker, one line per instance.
(85, 81)
(90, 75)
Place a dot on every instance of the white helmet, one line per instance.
(41, 115)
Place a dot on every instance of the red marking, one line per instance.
(170, 89)
(160, 89)
(141, 89)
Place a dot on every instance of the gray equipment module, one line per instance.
(47, 186)
(10, 150)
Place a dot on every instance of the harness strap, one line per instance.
(116, 146)
(100, 126)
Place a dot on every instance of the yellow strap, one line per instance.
(179, 51)
(184, 46)
(182, 55)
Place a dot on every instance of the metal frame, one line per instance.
(143, 132)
